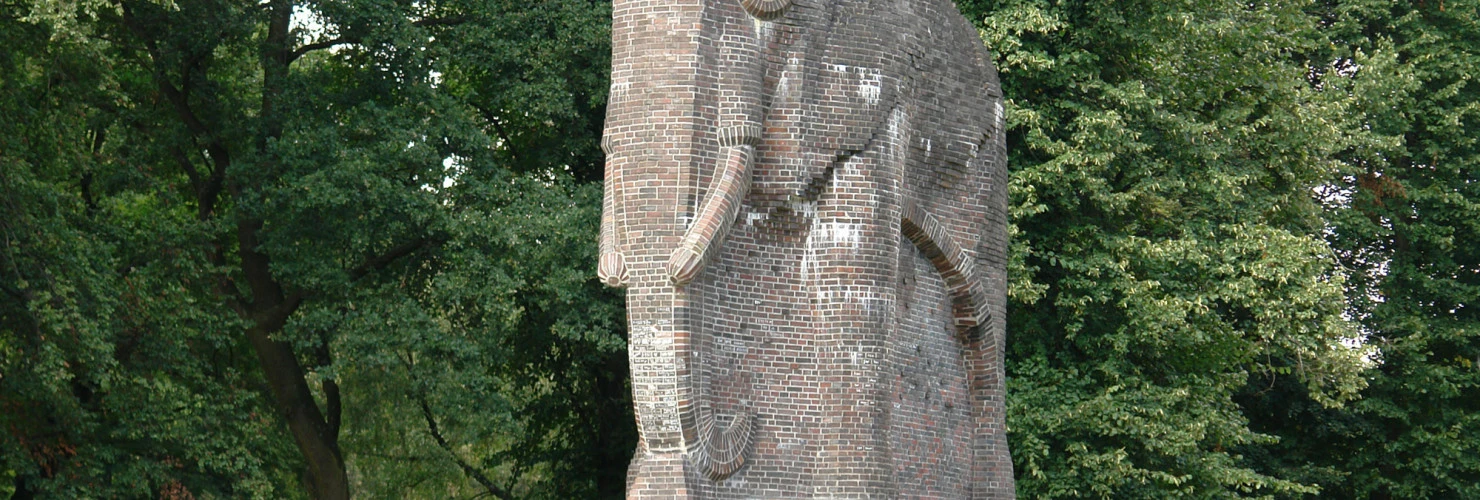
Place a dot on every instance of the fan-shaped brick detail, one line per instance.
(765, 9)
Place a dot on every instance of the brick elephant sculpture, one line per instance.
(806, 201)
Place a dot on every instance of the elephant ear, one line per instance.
(765, 9)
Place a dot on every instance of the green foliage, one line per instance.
(1404, 217)
(119, 377)
(398, 195)
(1166, 244)
(513, 350)
(1410, 231)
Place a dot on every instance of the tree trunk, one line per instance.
(295, 402)
(270, 311)
(270, 308)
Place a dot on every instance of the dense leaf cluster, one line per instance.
(277, 249)
(1244, 247)
(1404, 217)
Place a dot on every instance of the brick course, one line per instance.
(806, 202)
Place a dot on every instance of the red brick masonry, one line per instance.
(806, 200)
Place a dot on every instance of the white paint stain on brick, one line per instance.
(784, 87)
(871, 86)
(763, 30)
(870, 81)
(870, 303)
(807, 209)
(895, 131)
(809, 251)
(841, 233)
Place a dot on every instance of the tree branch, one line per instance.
(386, 456)
(300, 51)
(477, 475)
(220, 156)
(348, 39)
(174, 95)
(332, 404)
(381, 261)
(441, 21)
(498, 128)
(99, 136)
(15, 292)
(85, 184)
(188, 167)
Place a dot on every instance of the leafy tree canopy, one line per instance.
(269, 249)
(1167, 248)
(1404, 216)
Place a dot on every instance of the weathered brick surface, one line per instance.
(806, 201)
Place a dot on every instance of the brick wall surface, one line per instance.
(806, 202)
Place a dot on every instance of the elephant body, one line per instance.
(806, 201)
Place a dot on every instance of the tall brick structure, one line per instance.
(806, 200)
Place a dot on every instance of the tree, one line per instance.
(1167, 249)
(120, 376)
(223, 223)
(1403, 217)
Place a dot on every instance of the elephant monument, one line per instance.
(806, 201)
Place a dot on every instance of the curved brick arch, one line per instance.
(968, 295)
